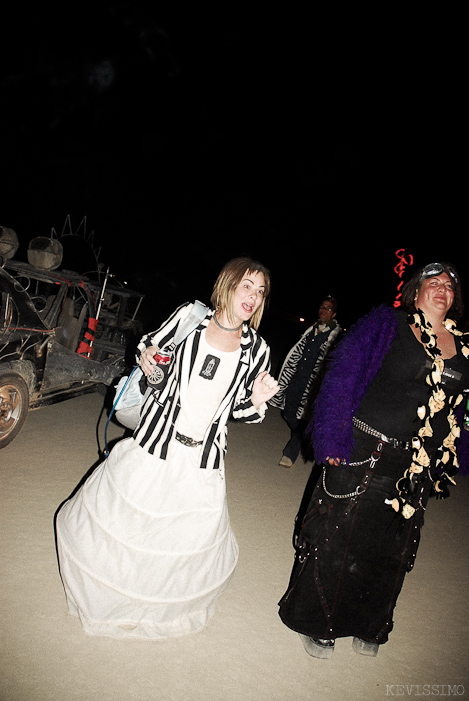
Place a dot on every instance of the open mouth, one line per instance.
(248, 308)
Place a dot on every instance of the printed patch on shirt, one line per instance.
(209, 367)
(450, 378)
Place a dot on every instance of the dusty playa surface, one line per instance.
(245, 653)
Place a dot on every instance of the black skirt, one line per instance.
(353, 552)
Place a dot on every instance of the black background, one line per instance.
(319, 142)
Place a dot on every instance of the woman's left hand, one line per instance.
(264, 388)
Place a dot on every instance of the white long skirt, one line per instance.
(145, 546)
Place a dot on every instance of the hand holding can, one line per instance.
(157, 379)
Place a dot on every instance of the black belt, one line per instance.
(395, 442)
(185, 440)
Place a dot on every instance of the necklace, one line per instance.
(223, 328)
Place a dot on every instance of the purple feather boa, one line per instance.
(463, 443)
(353, 365)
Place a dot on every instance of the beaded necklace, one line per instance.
(446, 456)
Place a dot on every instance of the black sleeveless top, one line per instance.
(399, 388)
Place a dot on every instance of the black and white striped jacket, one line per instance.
(160, 412)
(323, 342)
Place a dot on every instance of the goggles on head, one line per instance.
(437, 269)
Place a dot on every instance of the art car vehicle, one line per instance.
(61, 334)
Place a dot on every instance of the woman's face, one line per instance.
(248, 296)
(436, 294)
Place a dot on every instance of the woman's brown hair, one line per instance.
(228, 280)
(411, 288)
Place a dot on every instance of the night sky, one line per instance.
(319, 143)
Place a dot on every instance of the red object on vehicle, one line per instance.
(85, 346)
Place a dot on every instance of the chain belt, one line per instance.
(394, 442)
(356, 493)
(185, 440)
(366, 479)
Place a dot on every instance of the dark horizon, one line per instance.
(319, 145)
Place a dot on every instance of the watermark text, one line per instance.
(425, 690)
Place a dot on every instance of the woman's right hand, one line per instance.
(333, 461)
(147, 361)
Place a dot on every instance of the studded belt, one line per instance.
(394, 442)
(185, 440)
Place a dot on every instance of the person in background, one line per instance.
(300, 369)
(145, 546)
(387, 430)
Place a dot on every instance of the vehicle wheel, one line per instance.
(14, 406)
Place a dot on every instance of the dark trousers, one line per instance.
(297, 428)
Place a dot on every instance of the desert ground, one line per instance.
(245, 653)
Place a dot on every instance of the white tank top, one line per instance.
(211, 377)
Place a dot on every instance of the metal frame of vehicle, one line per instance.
(43, 318)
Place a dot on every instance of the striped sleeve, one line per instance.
(164, 335)
(288, 369)
(243, 409)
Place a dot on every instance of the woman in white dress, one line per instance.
(145, 546)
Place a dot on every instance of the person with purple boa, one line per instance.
(387, 429)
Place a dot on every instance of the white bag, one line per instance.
(129, 398)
